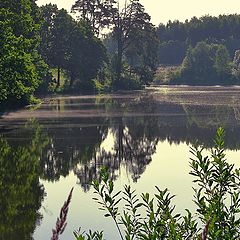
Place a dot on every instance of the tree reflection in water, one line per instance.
(136, 125)
(133, 148)
(132, 125)
(78, 147)
(21, 194)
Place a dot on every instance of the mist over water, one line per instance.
(143, 137)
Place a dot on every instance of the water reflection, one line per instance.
(21, 194)
(67, 148)
(132, 125)
(132, 148)
(82, 134)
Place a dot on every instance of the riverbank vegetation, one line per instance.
(101, 47)
(195, 43)
(206, 64)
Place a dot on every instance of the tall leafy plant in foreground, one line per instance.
(216, 195)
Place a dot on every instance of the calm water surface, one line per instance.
(142, 137)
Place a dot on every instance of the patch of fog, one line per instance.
(197, 95)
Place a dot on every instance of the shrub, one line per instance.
(206, 64)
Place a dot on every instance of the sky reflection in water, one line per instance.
(142, 137)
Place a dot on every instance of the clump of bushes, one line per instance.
(206, 64)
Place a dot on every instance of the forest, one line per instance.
(100, 47)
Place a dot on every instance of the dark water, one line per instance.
(142, 137)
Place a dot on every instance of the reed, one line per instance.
(62, 219)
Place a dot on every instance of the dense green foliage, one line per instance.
(21, 193)
(21, 68)
(217, 198)
(206, 64)
(45, 49)
(175, 37)
(72, 46)
(30, 34)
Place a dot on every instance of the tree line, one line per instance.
(176, 37)
(102, 46)
(206, 50)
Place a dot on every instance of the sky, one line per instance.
(163, 10)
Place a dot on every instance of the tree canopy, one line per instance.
(70, 45)
(206, 64)
(177, 35)
(21, 68)
(127, 25)
(45, 49)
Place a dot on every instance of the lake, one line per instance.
(142, 137)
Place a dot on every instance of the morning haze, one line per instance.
(84, 113)
(161, 11)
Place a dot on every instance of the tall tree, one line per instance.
(97, 13)
(142, 54)
(56, 33)
(86, 56)
(72, 46)
(125, 22)
(21, 68)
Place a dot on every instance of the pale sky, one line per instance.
(163, 10)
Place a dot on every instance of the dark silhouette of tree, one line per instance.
(127, 24)
(72, 46)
